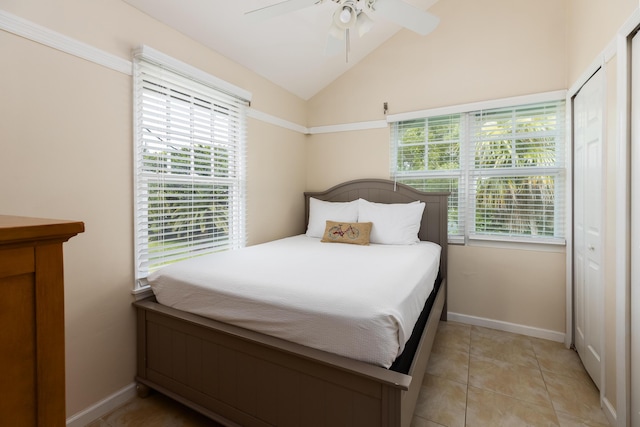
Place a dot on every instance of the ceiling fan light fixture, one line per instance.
(345, 15)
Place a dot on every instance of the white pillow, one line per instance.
(393, 223)
(320, 212)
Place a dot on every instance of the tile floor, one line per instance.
(475, 377)
(483, 377)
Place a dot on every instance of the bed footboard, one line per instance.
(235, 379)
(239, 377)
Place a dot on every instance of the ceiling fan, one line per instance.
(356, 16)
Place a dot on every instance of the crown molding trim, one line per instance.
(277, 121)
(348, 127)
(47, 37)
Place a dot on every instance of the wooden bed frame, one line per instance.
(239, 377)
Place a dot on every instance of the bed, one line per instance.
(240, 377)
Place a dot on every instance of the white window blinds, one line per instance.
(189, 167)
(426, 155)
(517, 171)
(504, 168)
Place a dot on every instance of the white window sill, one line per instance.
(541, 245)
(142, 291)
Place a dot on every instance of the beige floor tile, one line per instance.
(446, 362)
(488, 409)
(577, 397)
(488, 332)
(508, 379)
(155, 410)
(567, 420)
(98, 423)
(555, 357)
(442, 401)
(421, 422)
(503, 346)
(453, 335)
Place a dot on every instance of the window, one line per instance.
(503, 166)
(427, 156)
(189, 166)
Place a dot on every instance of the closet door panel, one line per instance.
(588, 157)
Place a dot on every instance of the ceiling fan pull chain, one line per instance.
(347, 44)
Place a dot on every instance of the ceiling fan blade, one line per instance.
(335, 45)
(364, 24)
(406, 15)
(278, 9)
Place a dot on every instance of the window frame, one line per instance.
(202, 120)
(467, 173)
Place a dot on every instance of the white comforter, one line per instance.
(357, 301)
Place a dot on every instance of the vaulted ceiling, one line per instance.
(289, 50)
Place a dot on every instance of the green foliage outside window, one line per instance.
(503, 165)
(185, 215)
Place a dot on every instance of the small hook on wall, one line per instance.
(385, 107)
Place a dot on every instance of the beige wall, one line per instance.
(591, 26)
(481, 50)
(518, 286)
(276, 182)
(66, 144)
(336, 157)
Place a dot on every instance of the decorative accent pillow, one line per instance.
(393, 223)
(320, 212)
(356, 233)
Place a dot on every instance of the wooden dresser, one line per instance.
(32, 377)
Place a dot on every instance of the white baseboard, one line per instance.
(103, 407)
(609, 412)
(507, 327)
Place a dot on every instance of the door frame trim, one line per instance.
(623, 219)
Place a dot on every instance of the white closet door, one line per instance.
(588, 241)
(635, 232)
